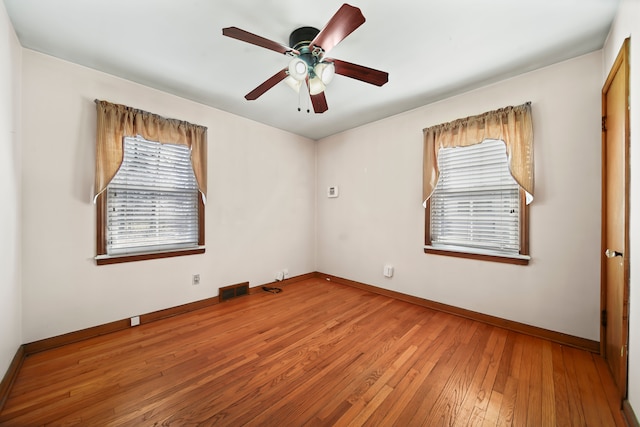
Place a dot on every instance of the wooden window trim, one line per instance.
(524, 238)
(101, 238)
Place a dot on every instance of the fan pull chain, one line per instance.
(299, 102)
(306, 92)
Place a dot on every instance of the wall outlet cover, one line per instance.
(388, 271)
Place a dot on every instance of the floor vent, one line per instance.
(233, 291)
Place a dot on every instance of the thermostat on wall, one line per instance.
(332, 191)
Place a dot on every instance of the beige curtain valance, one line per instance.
(510, 124)
(117, 121)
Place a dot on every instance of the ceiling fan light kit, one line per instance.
(308, 46)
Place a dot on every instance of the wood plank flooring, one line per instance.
(317, 354)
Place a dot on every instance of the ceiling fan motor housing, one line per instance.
(302, 37)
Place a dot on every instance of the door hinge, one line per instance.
(604, 123)
(603, 318)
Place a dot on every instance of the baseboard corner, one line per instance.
(11, 375)
(629, 415)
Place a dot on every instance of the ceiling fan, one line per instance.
(308, 47)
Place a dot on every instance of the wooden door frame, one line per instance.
(621, 60)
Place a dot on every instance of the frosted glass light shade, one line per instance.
(293, 83)
(326, 71)
(298, 69)
(316, 86)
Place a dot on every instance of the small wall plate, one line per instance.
(332, 191)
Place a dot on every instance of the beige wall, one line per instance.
(10, 298)
(627, 24)
(378, 218)
(260, 212)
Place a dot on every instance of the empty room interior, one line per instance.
(318, 269)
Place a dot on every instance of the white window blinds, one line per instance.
(152, 202)
(476, 201)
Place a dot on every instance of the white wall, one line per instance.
(260, 213)
(627, 24)
(10, 292)
(378, 217)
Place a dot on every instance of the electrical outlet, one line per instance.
(135, 320)
(195, 280)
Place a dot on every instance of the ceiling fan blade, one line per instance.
(319, 101)
(245, 36)
(343, 23)
(268, 84)
(359, 72)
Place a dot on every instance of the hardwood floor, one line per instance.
(317, 354)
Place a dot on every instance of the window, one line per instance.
(477, 186)
(476, 206)
(152, 202)
(150, 185)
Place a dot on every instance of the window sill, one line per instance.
(116, 259)
(478, 254)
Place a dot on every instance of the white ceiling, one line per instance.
(432, 49)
